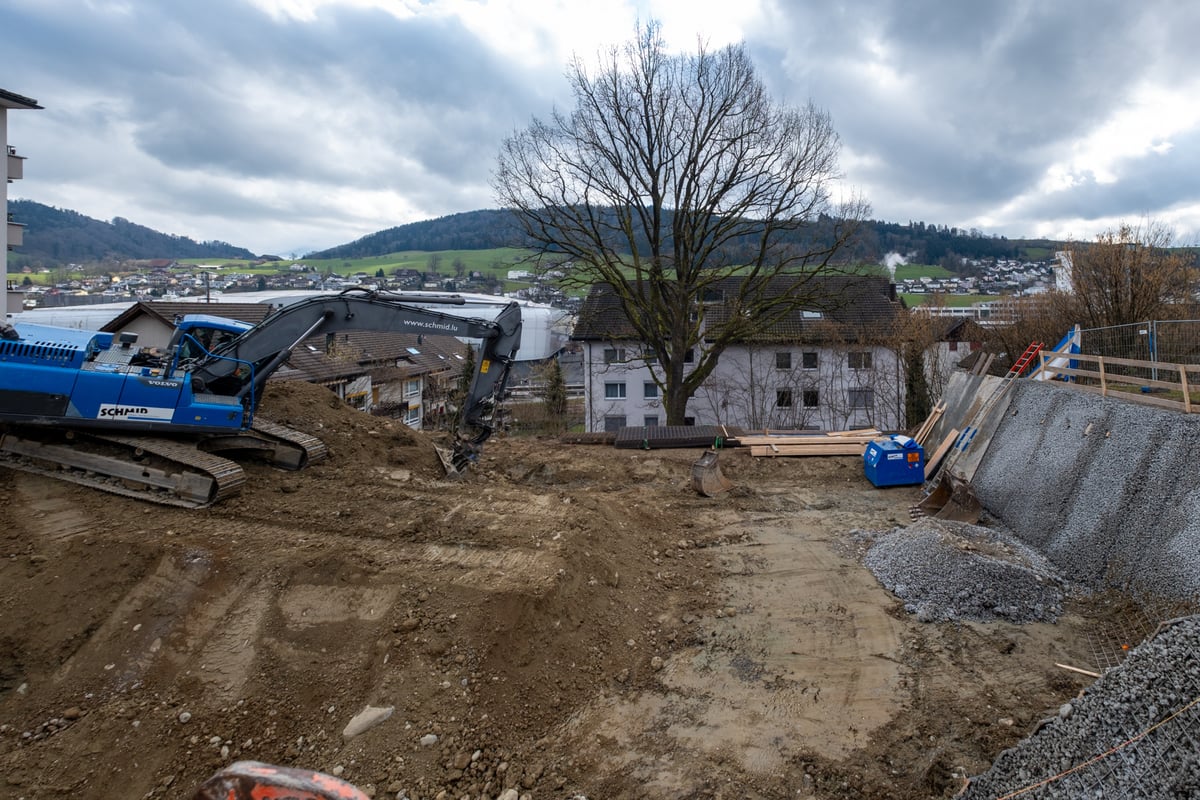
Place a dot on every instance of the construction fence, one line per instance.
(1156, 362)
(1172, 341)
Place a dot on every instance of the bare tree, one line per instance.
(672, 175)
(1128, 275)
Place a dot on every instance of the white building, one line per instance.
(828, 366)
(14, 170)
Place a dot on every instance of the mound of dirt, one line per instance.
(377, 441)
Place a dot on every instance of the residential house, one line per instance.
(408, 376)
(12, 232)
(954, 339)
(154, 322)
(830, 365)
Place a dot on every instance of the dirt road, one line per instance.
(567, 621)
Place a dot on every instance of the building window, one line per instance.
(614, 391)
(614, 355)
(649, 390)
(689, 420)
(862, 398)
(412, 387)
(808, 360)
(614, 423)
(412, 416)
(783, 398)
(953, 346)
(860, 359)
(811, 398)
(689, 356)
(783, 360)
(651, 421)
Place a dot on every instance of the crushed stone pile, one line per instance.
(1134, 733)
(947, 571)
(1105, 488)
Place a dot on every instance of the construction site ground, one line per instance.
(566, 621)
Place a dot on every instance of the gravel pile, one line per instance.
(1135, 733)
(946, 571)
(1108, 490)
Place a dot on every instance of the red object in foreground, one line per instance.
(253, 780)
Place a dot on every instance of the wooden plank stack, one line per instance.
(831, 443)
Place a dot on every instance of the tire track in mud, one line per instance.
(799, 658)
(52, 516)
(191, 616)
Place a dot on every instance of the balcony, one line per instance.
(16, 234)
(16, 166)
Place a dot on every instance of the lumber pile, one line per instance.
(831, 443)
(926, 427)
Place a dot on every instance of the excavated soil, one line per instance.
(567, 620)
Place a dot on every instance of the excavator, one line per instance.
(95, 409)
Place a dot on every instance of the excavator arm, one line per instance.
(240, 367)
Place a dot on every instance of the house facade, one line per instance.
(401, 375)
(832, 365)
(12, 233)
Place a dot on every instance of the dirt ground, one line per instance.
(568, 620)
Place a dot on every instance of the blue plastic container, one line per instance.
(895, 461)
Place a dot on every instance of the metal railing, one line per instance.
(1156, 342)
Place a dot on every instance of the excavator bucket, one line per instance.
(952, 499)
(253, 780)
(452, 462)
(707, 478)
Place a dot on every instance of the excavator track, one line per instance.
(158, 470)
(314, 449)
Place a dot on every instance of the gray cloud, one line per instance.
(276, 132)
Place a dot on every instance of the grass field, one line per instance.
(949, 300)
(910, 271)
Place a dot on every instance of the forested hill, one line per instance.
(481, 230)
(56, 236)
(470, 230)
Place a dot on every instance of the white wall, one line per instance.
(744, 389)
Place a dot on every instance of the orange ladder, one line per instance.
(1021, 363)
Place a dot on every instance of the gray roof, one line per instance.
(13, 100)
(841, 306)
(167, 311)
(353, 353)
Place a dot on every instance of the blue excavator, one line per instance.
(96, 409)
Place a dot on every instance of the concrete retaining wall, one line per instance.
(1108, 490)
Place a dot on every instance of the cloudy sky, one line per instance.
(285, 126)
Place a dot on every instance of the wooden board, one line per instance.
(931, 463)
(927, 426)
(835, 449)
(807, 439)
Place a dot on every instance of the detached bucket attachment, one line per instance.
(253, 780)
(707, 478)
(952, 498)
